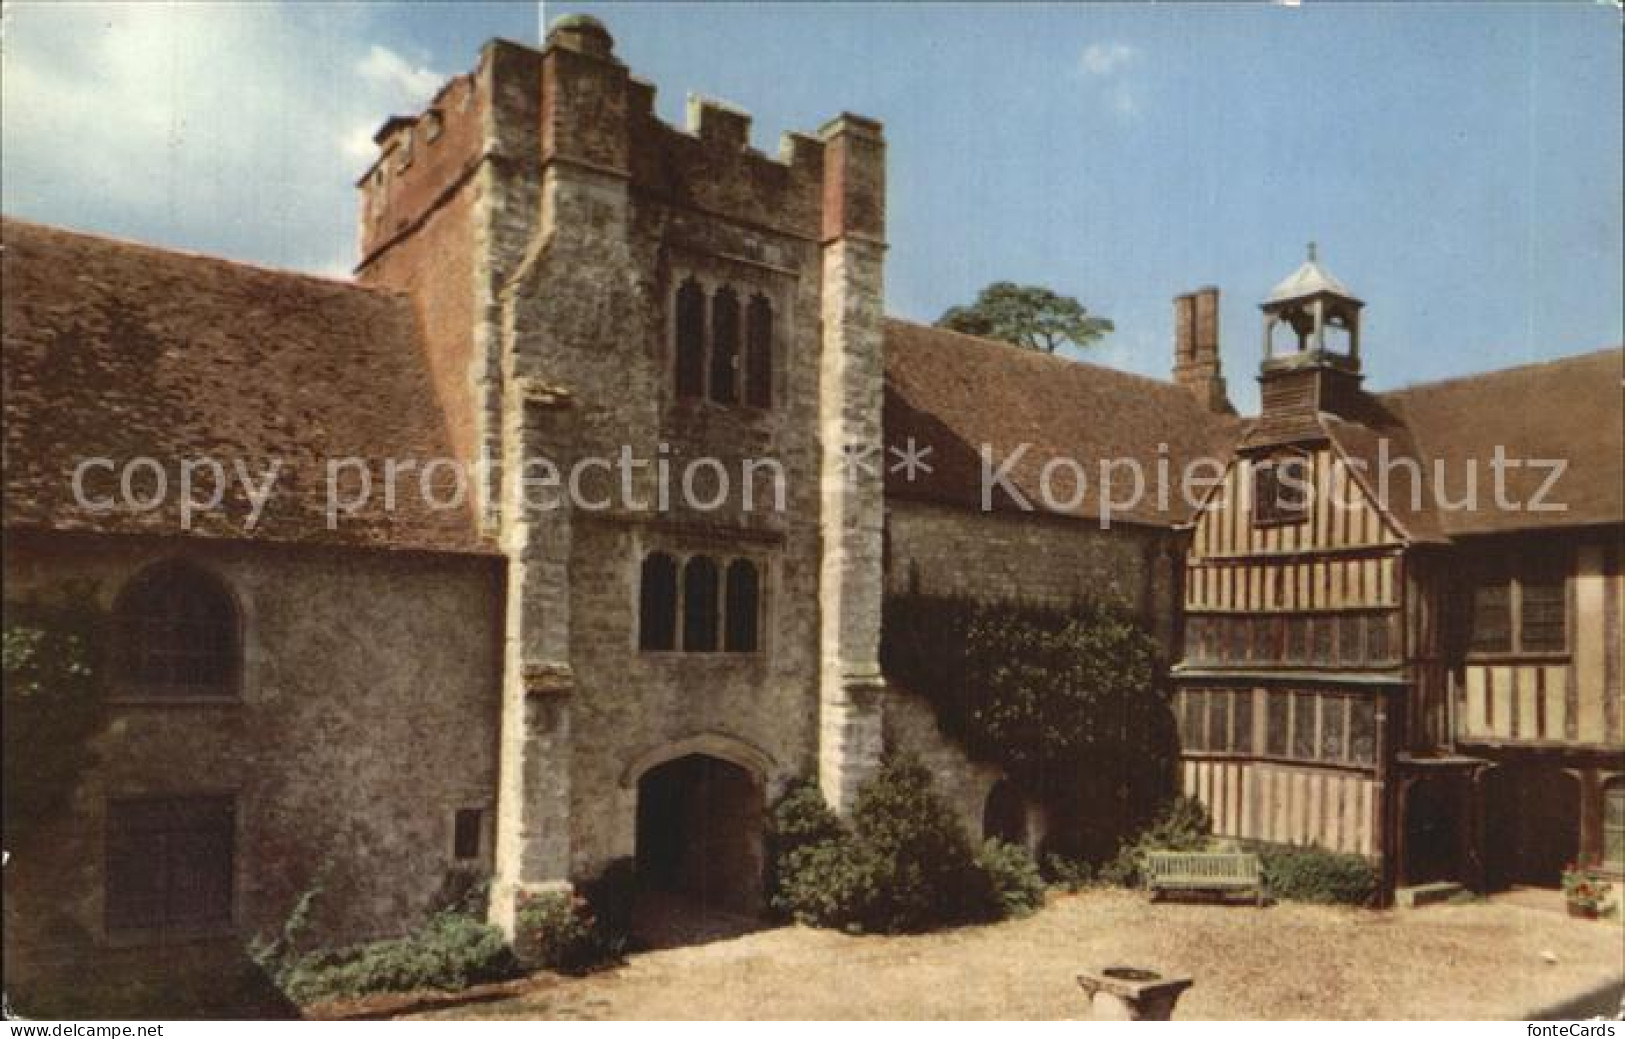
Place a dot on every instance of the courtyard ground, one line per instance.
(1498, 959)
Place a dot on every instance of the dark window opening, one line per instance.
(1297, 640)
(1218, 720)
(169, 863)
(466, 828)
(1303, 726)
(1277, 723)
(1331, 727)
(1543, 616)
(759, 353)
(1194, 629)
(1350, 639)
(1280, 490)
(1320, 635)
(725, 347)
(1196, 719)
(1362, 731)
(176, 634)
(1378, 640)
(657, 603)
(744, 606)
(1492, 617)
(700, 587)
(690, 334)
(1237, 638)
(1241, 722)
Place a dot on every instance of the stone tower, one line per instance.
(595, 284)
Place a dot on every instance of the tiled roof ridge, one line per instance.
(134, 245)
(1037, 355)
(1526, 366)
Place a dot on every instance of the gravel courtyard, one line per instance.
(1477, 960)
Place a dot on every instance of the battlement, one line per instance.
(574, 102)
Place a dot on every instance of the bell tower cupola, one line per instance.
(1311, 318)
(1311, 350)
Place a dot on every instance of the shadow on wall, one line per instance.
(68, 977)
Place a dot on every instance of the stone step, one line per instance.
(1426, 894)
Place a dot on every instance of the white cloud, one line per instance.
(229, 128)
(391, 73)
(1107, 64)
(1124, 102)
(1108, 58)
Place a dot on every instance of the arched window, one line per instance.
(657, 603)
(744, 606)
(690, 336)
(725, 347)
(175, 634)
(700, 587)
(759, 353)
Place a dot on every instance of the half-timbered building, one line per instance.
(1401, 624)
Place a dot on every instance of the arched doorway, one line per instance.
(1004, 817)
(1531, 824)
(699, 833)
(1432, 830)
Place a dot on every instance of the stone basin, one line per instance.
(1120, 992)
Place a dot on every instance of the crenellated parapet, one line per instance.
(574, 102)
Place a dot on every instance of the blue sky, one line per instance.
(1460, 165)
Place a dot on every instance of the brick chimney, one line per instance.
(1196, 348)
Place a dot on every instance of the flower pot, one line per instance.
(1584, 912)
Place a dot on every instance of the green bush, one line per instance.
(905, 865)
(52, 652)
(1066, 873)
(798, 819)
(575, 933)
(833, 883)
(1314, 875)
(449, 952)
(1183, 825)
(927, 871)
(1064, 701)
(555, 930)
(463, 891)
(1018, 887)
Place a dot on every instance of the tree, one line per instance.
(1029, 316)
(52, 654)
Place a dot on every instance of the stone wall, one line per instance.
(367, 718)
(633, 710)
(948, 550)
(911, 727)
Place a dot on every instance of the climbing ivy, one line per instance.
(52, 651)
(1065, 701)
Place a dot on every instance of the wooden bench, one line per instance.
(1219, 873)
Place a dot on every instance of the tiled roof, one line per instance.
(956, 393)
(121, 351)
(1572, 409)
